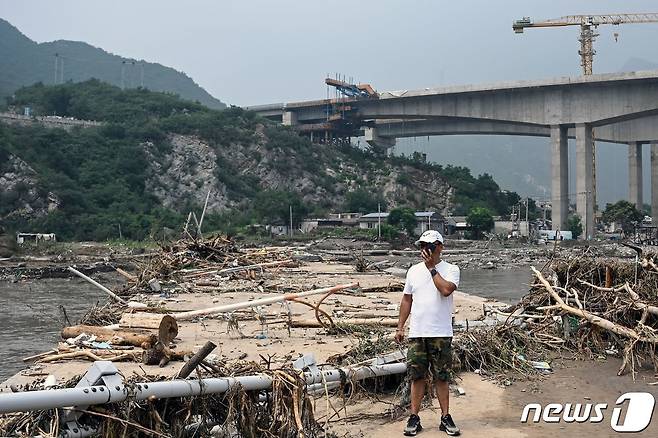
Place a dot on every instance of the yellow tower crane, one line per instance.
(588, 25)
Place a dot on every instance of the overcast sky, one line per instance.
(249, 52)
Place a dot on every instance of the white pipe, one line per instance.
(98, 285)
(256, 266)
(241, 268)
(100, 394)
(183, 316)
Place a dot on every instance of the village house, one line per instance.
(21, 238)
(425, 220)
(457, 225)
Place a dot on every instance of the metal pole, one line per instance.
(98, 285)
(123, 68)
(101, 394)
(56, 62)
(379, 221)
(203, 213)
(527, 226)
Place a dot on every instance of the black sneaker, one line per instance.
(448, 426)
(413, 425)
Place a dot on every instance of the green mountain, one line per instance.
(156, 157)
(25, 62)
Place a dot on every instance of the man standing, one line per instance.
(428, 298)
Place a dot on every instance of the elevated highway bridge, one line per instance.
(617, 108)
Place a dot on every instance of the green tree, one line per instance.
(624, 213)
(274, 205)
(389, 232)
(575, 225)
(480, 220)
(404, 219)
(363, 201)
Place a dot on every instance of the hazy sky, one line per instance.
(250, 52)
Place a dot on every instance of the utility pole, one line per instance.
(131, 81)
(123, 73)
(379, 221)
(142, 74)
(56, 62)
(290, 220)
(527, 226)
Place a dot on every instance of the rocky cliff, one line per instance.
(20, 192)
(192, 167)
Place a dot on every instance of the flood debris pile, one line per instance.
(192, 264)
(578, 306)
(501, 352)
(584, 307)
(369, 342)
(34, 423)
(104, 314)
(606, 307)
(284, 410)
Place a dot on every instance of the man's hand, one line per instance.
(399, 335)
(427, 258)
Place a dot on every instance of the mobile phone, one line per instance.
(431, 247)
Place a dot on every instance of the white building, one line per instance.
(425, 220)
(21, 238)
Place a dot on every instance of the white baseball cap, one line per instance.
(430, 236)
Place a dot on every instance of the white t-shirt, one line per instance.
(431, 312)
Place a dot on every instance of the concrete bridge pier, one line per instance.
(559, 176)
(654, 183)
(584, 178)
(635, 173)
(289, 118)
(377, 142)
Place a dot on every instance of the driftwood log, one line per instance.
(160, 354)
(165, 324)
(116, 337)
(195, 360)
(92, 355)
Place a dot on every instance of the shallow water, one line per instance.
(506, 285)
(31, 318)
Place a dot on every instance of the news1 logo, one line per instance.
(639, 411)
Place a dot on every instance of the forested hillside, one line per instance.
(157, 156)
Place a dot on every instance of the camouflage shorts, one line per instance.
(430, 354)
